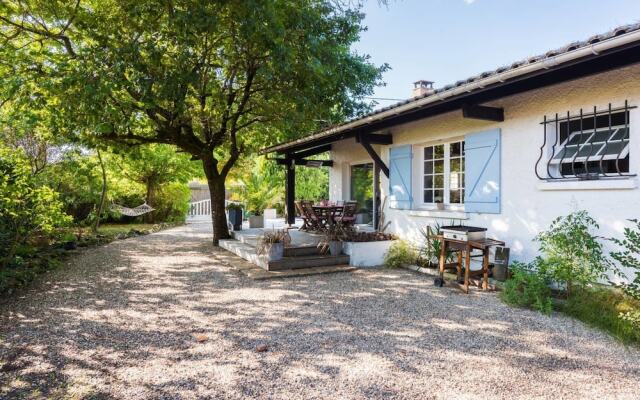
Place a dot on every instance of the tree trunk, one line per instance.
(96, 223)
(150, 218)
(217, 193)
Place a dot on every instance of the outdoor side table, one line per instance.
(465, 248)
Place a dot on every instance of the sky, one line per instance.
(449, 40)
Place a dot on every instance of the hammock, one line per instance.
(132, 212)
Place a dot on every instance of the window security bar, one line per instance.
(586, 146)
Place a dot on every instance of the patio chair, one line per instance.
(348, 215)
(314, 221)
(306, 225)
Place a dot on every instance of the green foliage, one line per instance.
(215, 79)
(172, 202)
(259, 188)
(430, 251)
(629, 257)
(601, 307)
(527, 288)
(400, 253)
(25, 208)
(571, 254)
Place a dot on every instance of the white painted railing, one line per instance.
(200, 208)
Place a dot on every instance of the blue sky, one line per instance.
(448, 40)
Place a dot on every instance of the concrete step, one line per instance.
(299, 251)
(307, 262)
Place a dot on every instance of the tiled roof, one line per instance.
(530, 60)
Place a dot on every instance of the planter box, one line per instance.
(366, 254)
(269, 213)
(256, 221)
(235, 218)
(276, 252)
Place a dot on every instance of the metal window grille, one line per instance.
(585, 146)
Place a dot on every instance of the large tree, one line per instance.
(214, 78)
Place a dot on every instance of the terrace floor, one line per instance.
(164, 317)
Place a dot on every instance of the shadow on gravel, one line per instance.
(124, 320)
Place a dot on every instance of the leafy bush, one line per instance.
(171, 203)
(629, 257)
(400, 254)
(25, 207)
(571, 254)
(527, 287)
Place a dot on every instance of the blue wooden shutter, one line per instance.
(482, 172)
(400, 177)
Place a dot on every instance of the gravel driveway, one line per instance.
(162, 316)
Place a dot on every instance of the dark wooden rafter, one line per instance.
(373, 138)
(363, 139)
(312, 152)
(303, 162)
(483, 112)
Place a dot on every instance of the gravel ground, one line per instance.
(162, 316)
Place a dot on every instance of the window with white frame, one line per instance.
(443, 173)
(587, 145)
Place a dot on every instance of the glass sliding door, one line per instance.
(362, 191)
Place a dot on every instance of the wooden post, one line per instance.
(467, 267)
(290, 191)
(485, 269)
(376, 195)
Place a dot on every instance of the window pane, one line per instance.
(462, 163)
(438, 166)
(622, 133)
(438, 151)
(579, 138)
(428, 167)
(428, 182)
(590, 150)
(428, 196)
(428, 153)
(455, 149)
(455, 165)
(454, 181)
(438, 196)
(438, 181)
(454, 196)
(613, 148)
(602, 136)
(567, 153)
(462, 196)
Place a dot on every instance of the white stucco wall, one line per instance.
(527, 204)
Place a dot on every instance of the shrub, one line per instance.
(25, 208)
(171, 203)
(629, 257)
(527, 287)
(571, 254)
(400, 253)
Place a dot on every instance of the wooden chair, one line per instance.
(314, 221)
(348, 215)
(305, 220)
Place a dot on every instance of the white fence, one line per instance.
(202, 209)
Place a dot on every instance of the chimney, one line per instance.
(422, 88)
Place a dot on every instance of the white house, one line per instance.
(509, 150)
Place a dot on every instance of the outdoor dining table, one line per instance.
(328, 213)
(466, 247)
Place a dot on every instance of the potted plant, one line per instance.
(235, 215)
(332, 240)
(271, 244)
(256, 219)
